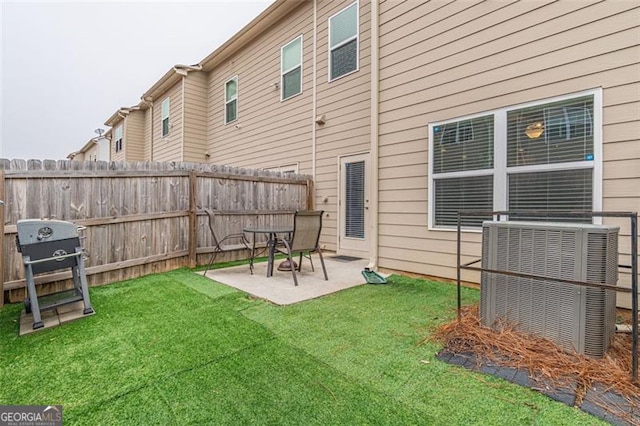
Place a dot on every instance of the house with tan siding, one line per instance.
(175, 127)
(127, 133)
(405, 112)
(96, 149)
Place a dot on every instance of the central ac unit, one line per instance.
(576, 317)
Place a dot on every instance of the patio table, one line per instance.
(272, 232)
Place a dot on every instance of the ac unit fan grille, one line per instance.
(576, 317)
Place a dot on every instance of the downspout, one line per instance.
(314, 95)
(149, 103)
(374, 131)
(182, 126)
(151, 138)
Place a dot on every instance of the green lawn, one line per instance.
(176, 348)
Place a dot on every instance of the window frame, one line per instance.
(118, 140)
(167, 117)
(356, 38)
(234, 78)
(501, 172)
(283, 72)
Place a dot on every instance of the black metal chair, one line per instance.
(222, 245)
(304, 240)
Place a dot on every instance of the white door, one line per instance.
(354, 206)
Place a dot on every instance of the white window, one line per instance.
(291, 69)
(118, 138)
(343, 42)
(542, 156)
(231, 100)
(166, 107)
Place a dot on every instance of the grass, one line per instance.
(176, 348)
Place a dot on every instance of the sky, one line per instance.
(66, 67)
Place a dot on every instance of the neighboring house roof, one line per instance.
(85, 148)
(122, 112)
(170, 78)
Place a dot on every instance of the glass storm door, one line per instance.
(354, 206)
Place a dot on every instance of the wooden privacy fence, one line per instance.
(140, 218)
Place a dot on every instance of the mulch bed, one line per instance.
(602, 387)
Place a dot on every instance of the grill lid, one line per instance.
(32, 231)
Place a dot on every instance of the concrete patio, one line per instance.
(343, 273)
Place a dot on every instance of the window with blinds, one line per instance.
(538, 157)
(354, 199)
(463, 145)
(462, 169)
(231, 100)
(465, 193)
(291, 69)
(564, 190)
(563, 133)
(343, 42)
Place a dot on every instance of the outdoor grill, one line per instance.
(51, 245)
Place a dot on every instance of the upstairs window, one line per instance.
(165, 116)
(118, 138)
(343, 42)
(291, 69)
(231, 100)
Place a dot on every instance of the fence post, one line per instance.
(310, 196)
(193, 241)
(2, 239)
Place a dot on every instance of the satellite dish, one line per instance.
(99, 132)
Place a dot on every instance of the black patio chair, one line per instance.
(223, 245)
(304, 240)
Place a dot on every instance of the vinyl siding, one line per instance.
(346, 104)
(170, 147)
(270, 133)
(440, 61)
(133, 144)
(195, 117)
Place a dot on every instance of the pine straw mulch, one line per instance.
(543, 359)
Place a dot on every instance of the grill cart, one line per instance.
(51, 245)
